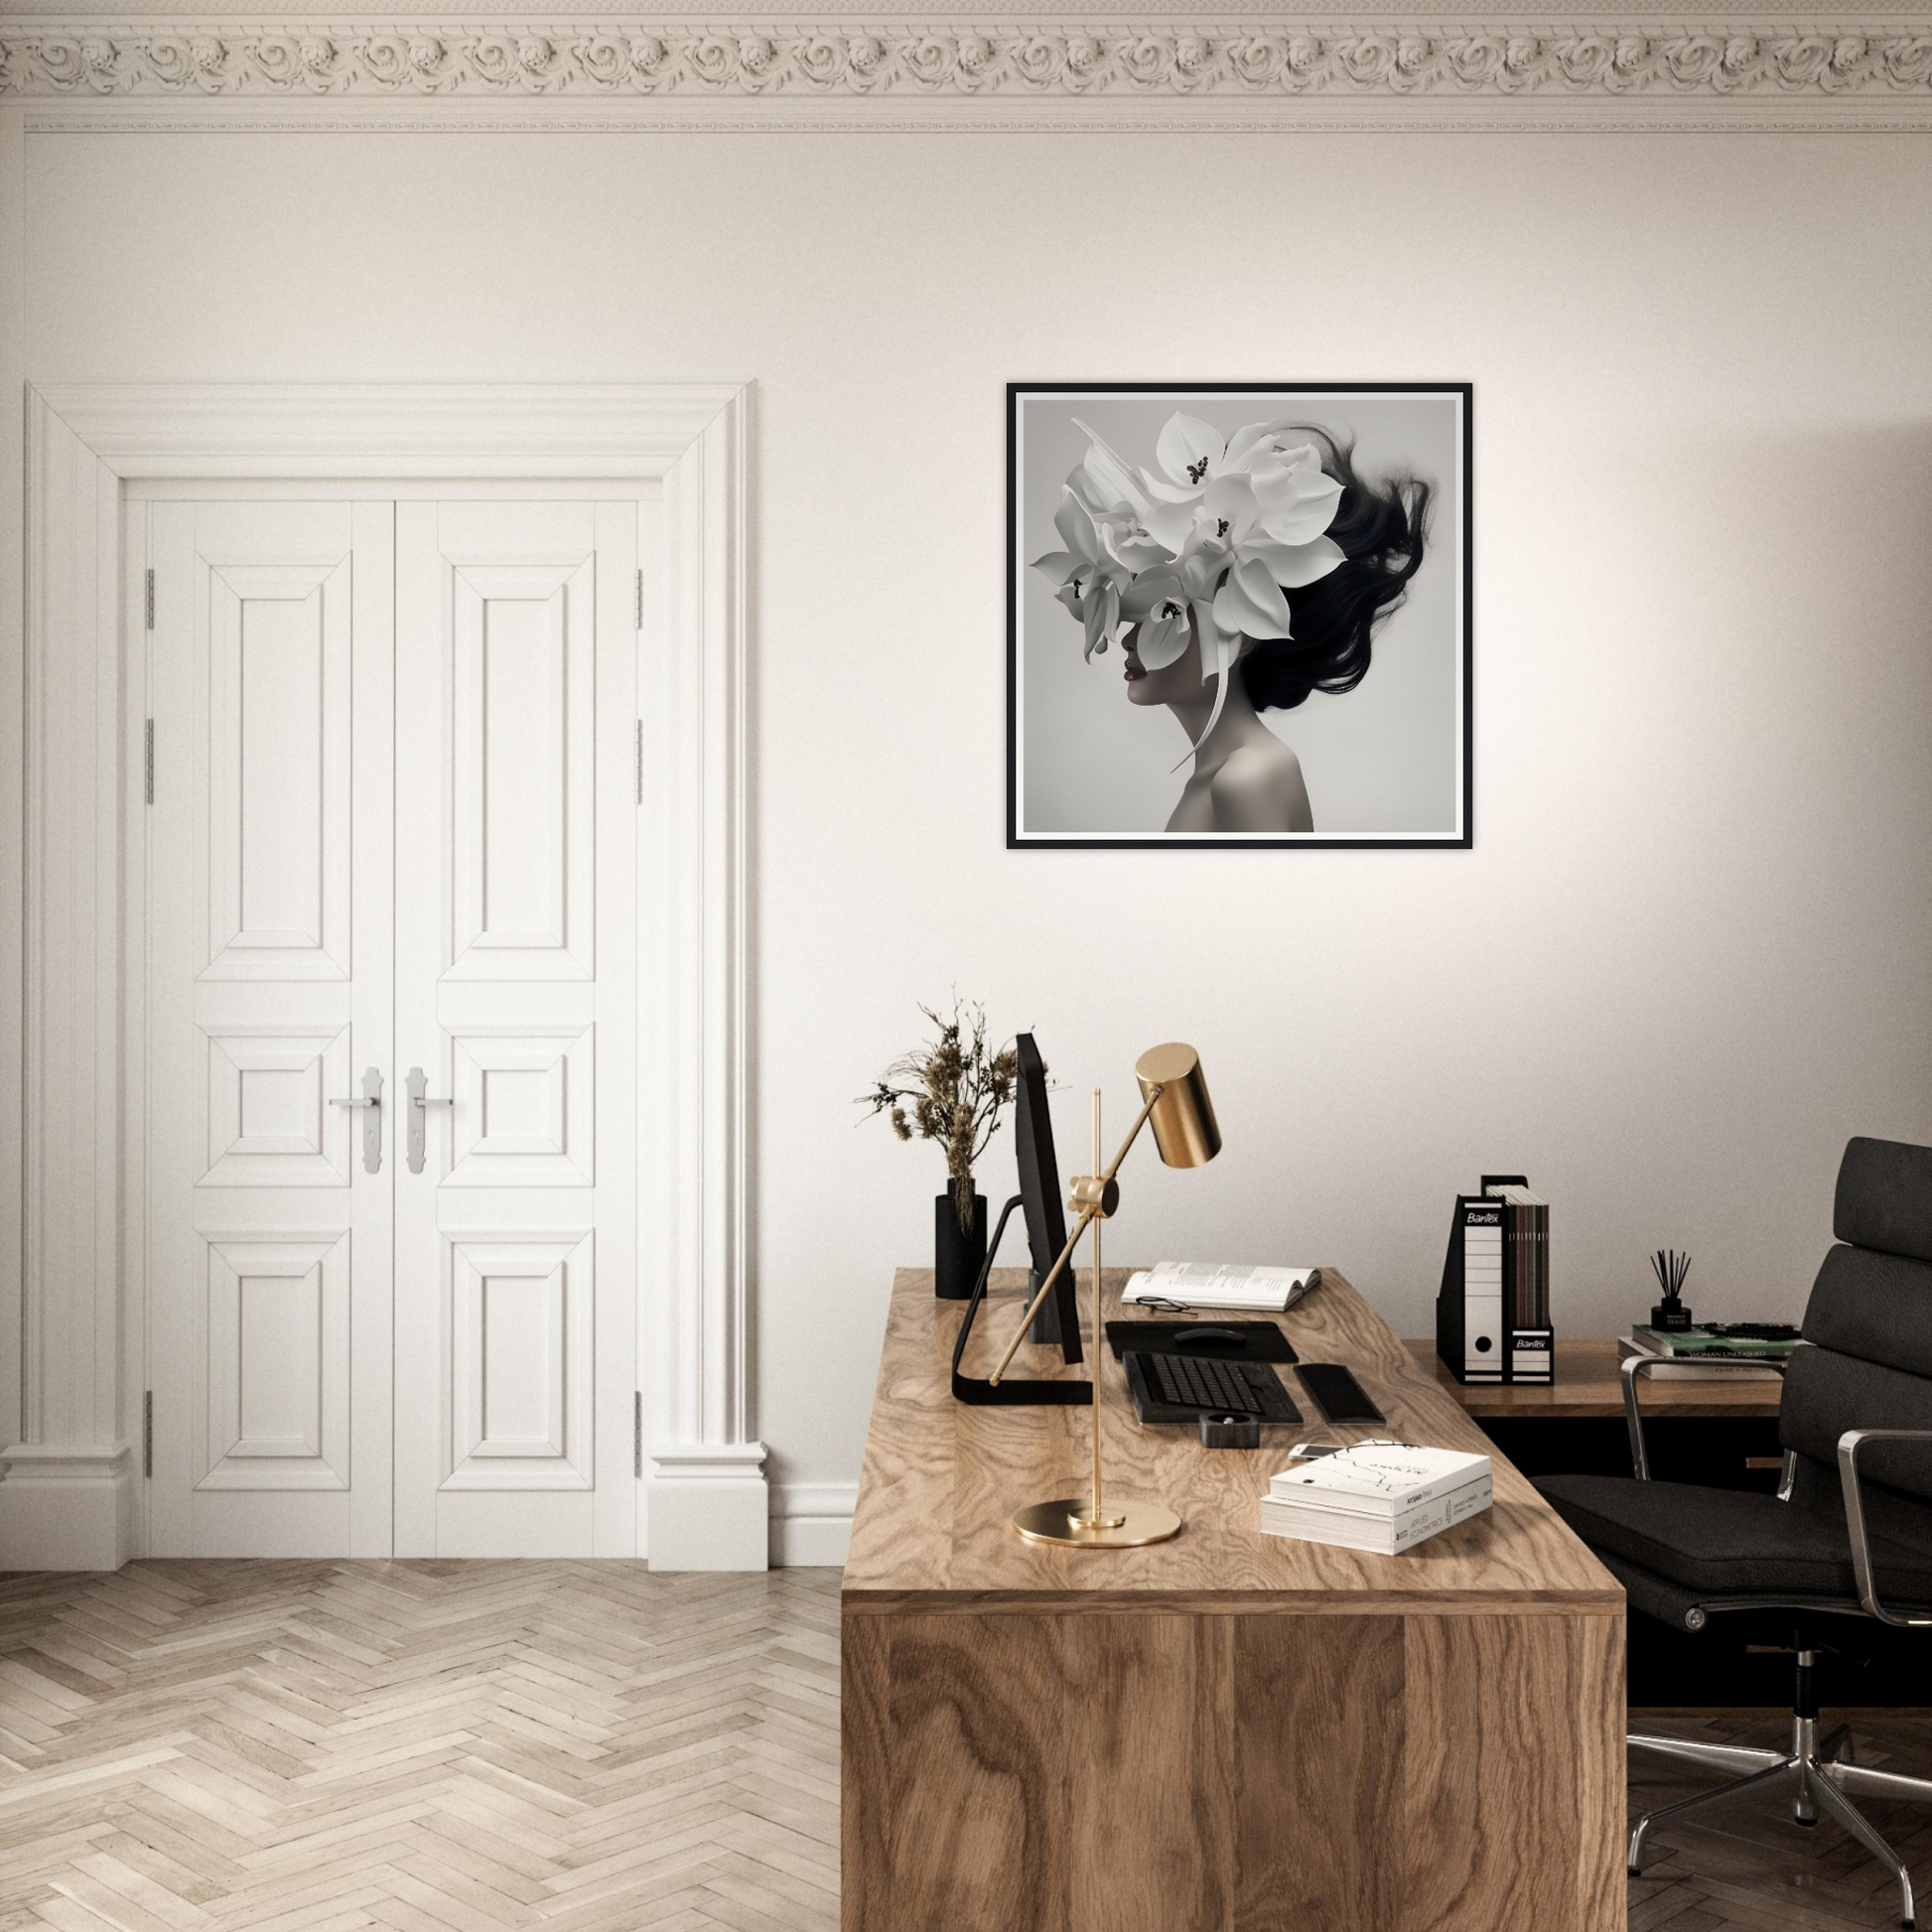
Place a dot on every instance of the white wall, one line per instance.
(1688, 954)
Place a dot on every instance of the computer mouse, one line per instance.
(1205, 1337)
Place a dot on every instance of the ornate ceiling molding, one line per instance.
(1834, 73)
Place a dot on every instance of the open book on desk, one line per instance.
(1211, 1285)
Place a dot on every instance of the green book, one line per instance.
(1701, 1341)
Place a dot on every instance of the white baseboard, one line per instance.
(710, 1507)
(72, 1508)
(66, 1507)
(811, 1523)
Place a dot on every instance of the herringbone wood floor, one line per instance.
(322, 1747)
(574, 1748)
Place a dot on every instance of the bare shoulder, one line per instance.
(1260, 788)
(1256, 768)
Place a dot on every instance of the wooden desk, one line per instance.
(1587, 1385)
(1228, 1732)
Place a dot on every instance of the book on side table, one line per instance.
(1692, 1354)
(1380, 1496)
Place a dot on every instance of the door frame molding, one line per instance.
(72, 1399)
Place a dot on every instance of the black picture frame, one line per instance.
(1019, 838)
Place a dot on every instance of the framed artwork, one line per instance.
(1238, 613)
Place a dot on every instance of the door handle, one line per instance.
(417, 1081)
(372, 1098)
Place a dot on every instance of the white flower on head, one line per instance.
(1113, 481)
(1298, 497)
(1161, 602)
(1091, 571)
(1190, 452)
(1208, 547)
(1250, 602)
(1274, 505)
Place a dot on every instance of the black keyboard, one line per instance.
(1208, 1387)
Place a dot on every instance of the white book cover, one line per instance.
(1317, 1508)
(1387, 1536)
(1379, 1478)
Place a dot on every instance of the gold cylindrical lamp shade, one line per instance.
(1182, 1118)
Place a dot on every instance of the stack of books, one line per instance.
(1689, 1354)
(1385, 1497)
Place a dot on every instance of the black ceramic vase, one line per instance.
(956, 1257)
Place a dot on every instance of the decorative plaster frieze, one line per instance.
(1174, 62)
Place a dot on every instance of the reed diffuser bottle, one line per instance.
(1670, 1314)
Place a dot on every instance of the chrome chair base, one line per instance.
(1818, 1775)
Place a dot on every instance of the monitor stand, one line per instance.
(1013, 1391)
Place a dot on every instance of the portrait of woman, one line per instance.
(1238, 616)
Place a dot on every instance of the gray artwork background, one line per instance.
(1380, 760)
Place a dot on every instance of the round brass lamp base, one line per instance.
(1064, 1521)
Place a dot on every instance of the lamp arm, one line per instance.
(1088, 1216)
(1132, 1133)
(1033, 1306)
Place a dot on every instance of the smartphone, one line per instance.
(1336, 1393)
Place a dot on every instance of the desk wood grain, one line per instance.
(1228, 1732)
(941, 1480)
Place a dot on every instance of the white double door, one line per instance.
(390, 860)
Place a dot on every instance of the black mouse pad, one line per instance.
(1217, 1341)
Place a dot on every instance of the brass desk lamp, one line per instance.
(1174, 1100)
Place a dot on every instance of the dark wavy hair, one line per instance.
(1382, 530)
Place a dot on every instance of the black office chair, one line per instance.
(1849, 1535)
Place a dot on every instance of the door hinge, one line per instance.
(638, 1433)
(147, 1433)
(640, 761)
(148, 762)
(641, 597)
(150, 600)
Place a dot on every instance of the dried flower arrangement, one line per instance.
(950, 1092)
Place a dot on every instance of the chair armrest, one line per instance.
(1635, 1365)
(1848, 1446)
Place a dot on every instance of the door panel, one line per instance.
(270, 968)
(278, 1384)
(278, 792)
(515, 1242)
(521, 1331)
(525, 1107)
(521, 770)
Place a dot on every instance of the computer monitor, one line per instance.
(1039, 1199)
(1039, 1195)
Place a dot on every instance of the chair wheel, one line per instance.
(1807, 1822)
(1633, 1871)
